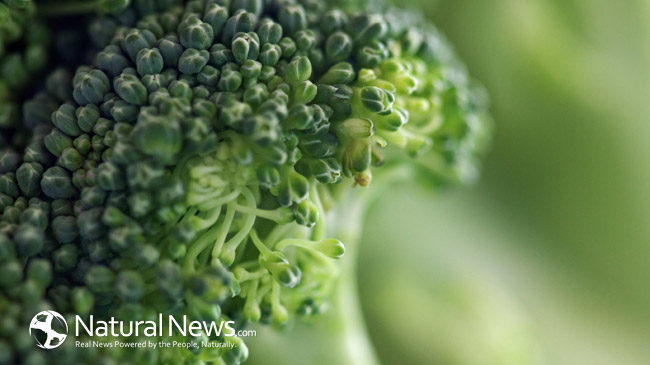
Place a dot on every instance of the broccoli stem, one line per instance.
(347, 325)
(58, 8)
(340, 337)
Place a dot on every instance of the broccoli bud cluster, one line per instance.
(189, 168)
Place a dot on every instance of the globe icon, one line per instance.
(49, 329)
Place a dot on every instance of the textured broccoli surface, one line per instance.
(187, 168)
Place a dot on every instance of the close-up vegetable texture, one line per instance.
(211, 158)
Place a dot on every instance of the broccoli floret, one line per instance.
(190, 167)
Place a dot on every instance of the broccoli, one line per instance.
(191, 165)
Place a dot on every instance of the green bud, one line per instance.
(13, 70)
(320, 145)
(65, 229)
(304, 92)
(299, 69)
(230, 81)
(102, 127)
(254, 96)
(245, 46)
(64, 119)
(215, 15)
(135, 40)
(158, 137)
(209, 76)
(147, 255)
(87, 117)
(5, 201)
(357, 156)
(301, 117)
(270, 54)
(240, 22)
(141, 203)
(70, 159)
(36, 217)
(331, 247)
(149, 61)
(251, 69)
(286, 274)
(90, 224)
(61, 207)
(372, 54)
(100, 279)
(356, 128)
(292, 18)
(326, 171)
(394, 121)
(92, 197)
(31, 291)
(110, 177)
(29, 240)
(333, 20)
(293, 189)
(9, 160)
(305, 213)
(90, 87)
(311, 306)
(28, 177)
(368, 27)
(65, 258)
(192, 61)
(8, 185)
(82, 144)
(40, 270)
(194, 33)
(130, 89)
(305, 40)
(169, 278)
(11, 273)
(111, 60)
(340, 73)
(268, 176)
(37, 152)
(180, 89)
(144, 175)
(170, 50)
(56, 142)
(82, 300)
(220, 55)
(237, 354)
(288, 47)
(56, 184)
(377, 100)
(269, 31)
(338, 47)
(7, 249)
(129, 286)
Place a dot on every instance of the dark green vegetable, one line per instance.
(190, 167)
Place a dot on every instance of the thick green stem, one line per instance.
(62, 8)
(347, 325)
(340, 336)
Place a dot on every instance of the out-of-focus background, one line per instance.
(547, 259)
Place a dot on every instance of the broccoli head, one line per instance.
(188, 168)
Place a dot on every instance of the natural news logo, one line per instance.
(49, 329)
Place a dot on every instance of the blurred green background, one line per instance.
(547, 260)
